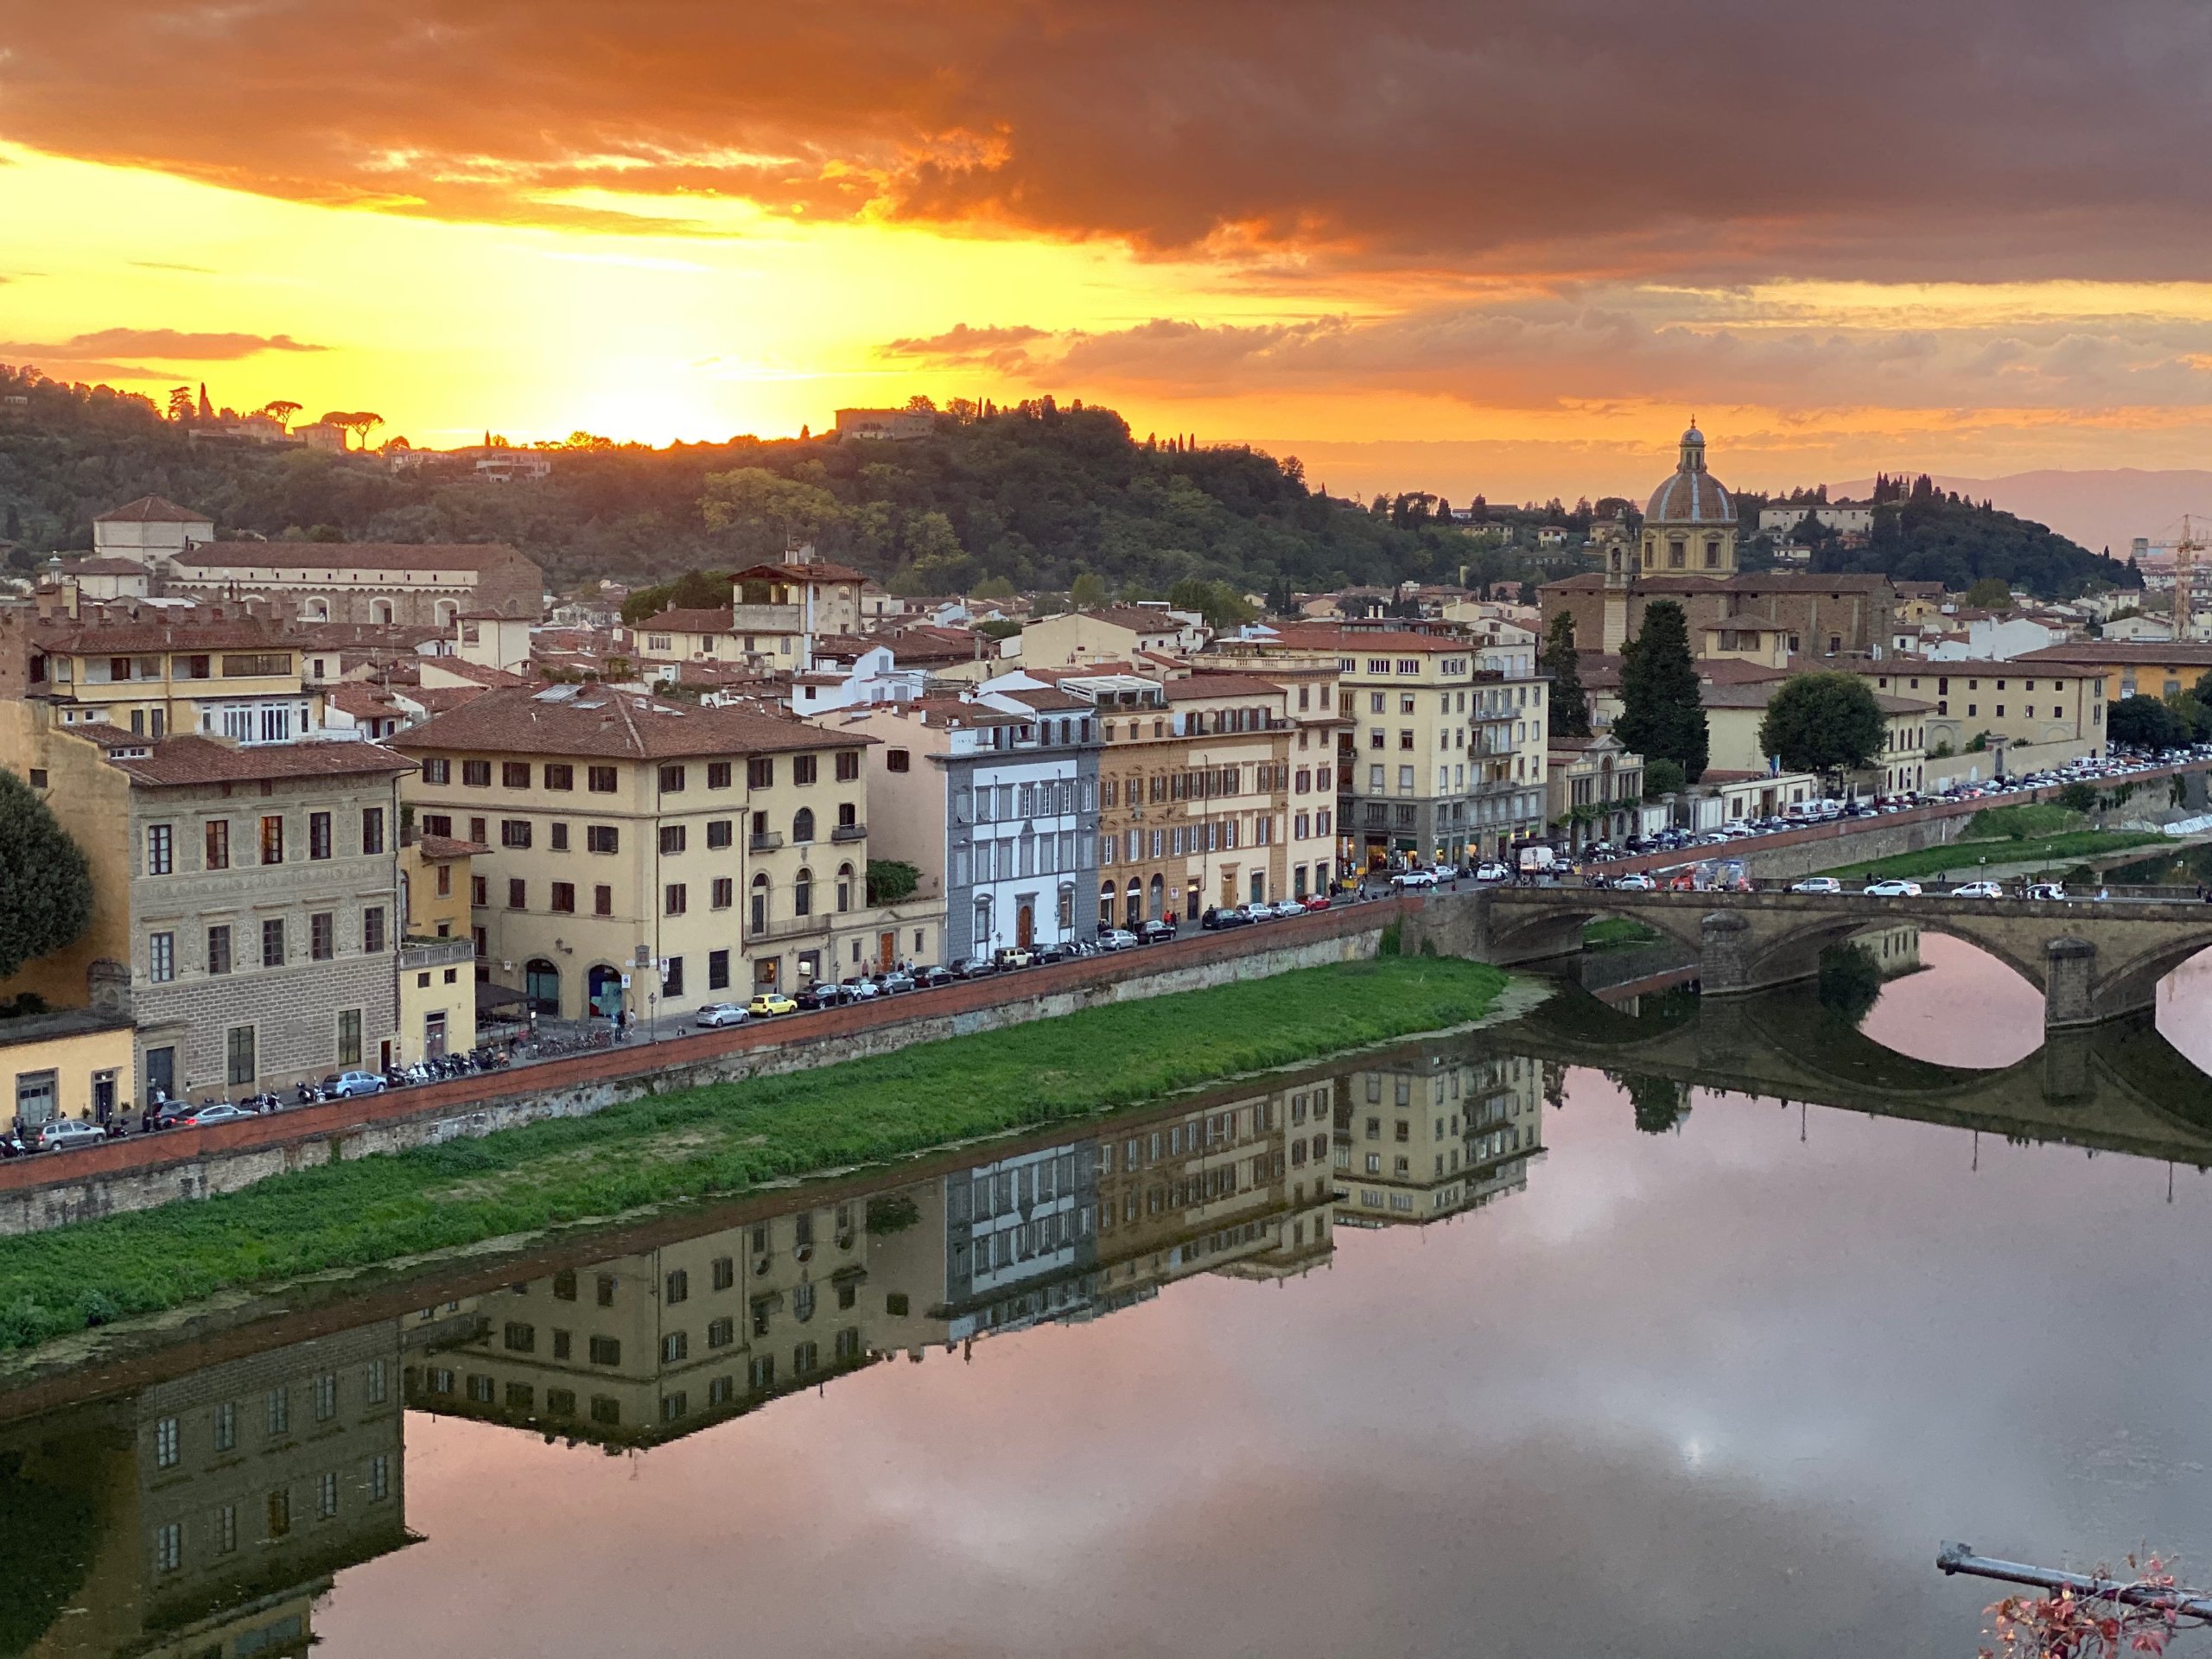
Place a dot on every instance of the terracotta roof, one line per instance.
(1382, 641)
(2181, 654)
(354, 555)
(443, 699)
(596, 720)
(444, 847)
(121, 638)
(104, 568)
(362, 701)
(821, 570)
(178, 761)
(1134, 617)
(152, 510)
(1764, 581)
(1048, 700)
(1219, 685)
(701, 620)
(481, 673)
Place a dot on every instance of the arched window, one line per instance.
(540, 985)
(802, 893)
(444, 612)
(802, 824)
(982, 945)
(759, 904)
(1158, 898)
(1712, 553)
(1106, 904)
(1133, 903)
(844, 887)
(379, 610)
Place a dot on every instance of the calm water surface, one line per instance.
(1718, 1388)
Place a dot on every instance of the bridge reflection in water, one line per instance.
(151, 1502)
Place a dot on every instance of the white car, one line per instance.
(721, 1014)
(1410, 879)
(1635, 881)
(1491, 870)
(1117, 939)
(1893, 889)
(1978, 890)
(1817, 884)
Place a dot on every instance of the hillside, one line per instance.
(2098, 508)
(1035, 495)
(1923, 533)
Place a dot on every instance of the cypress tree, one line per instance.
(46, 884)
(1570, 711)
(1661, 718)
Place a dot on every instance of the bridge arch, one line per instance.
(2124, 985)
(1535, 933)
(1795, 953)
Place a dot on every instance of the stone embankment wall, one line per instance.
(143, 1172)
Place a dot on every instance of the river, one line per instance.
(1639, 1353)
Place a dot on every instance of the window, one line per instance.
(759, 906)
(167, 1444)
(477, 774)
(761, 771)
(804, 768)
(671, 979)
(602, 901)
(719, 835)
(519, 1338)
(514, 832)
(802, 824)
(318, 835)
(559, 775)
(603, 1290)
(600, 780)
(675, 900)
(900, 760)
(718, 966)
(159, 848)
(848, 765)
(372, 830)
(564, 1285)
(514, 774)
(802, 893)
(672, 838)
(606, 1350)
(227, 1427)
(671, 780)
(721, 1332)
(718, 774)
(325, 1396)
(349, 1037)
(517, 893)
(168, 1546)
(280, 1513)
(559, 836)
(602, 838)
(272, 943)
(675, 1347)
(322, 936)
(272, 840)
(437, 772)
(161, 958)
(606, 1410)
(279, 1412)
(218, 843)
(676, 1288)
(372, 930)
(564, 898)
(380, 1478)
(218, 949)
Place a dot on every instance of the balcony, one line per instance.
(765, 841)
(849, 832)
(417, 954)
(766, 619)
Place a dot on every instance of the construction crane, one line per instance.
(2184, 547)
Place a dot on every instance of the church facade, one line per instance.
(1686, 552)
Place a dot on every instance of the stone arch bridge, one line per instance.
(2092, 960)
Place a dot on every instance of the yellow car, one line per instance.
(769, 1002)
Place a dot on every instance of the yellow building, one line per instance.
(2122, 668)
(239, 679)
(1114, 634)
(650, 857)
(1735, 711)
(77, 1063)
(1424, 1134)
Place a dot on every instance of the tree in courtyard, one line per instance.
(1661, 778)
(2145, 723)
(1570, 716)
(891, 880)
(1823, 723)
(1661, 718)
(46, 885)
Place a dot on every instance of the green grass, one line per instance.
(1613, 931)
(2018, 823)
(722, 1139)
(1967, 854)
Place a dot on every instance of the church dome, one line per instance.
(1691, 496)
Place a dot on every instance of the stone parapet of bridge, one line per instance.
(2092, 960)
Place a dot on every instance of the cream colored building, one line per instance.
(1734, 713)
(1427, 1134)
(77, 1063)
(649, 857)
(1116, 633)
(239, 680)
(2023, 702)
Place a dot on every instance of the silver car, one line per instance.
(64, 1133)
(721, 1014)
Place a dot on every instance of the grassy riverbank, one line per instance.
(720, 1140)
(2041, 851)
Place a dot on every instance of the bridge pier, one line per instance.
(1724, 966)
(2069, 984)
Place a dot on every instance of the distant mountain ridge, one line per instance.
(2098, 509)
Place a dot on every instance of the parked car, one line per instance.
(1893, 889)
(351, 1083)
(2046, 890)
(66, 1133)
(221, 1112)
(896, 982)
(1015, 956)
(1116, 939)
(1411, 879)
(1221, 916)
(1155, 933)
(1314, 901)
(1283, 908)
(829, 995)
(769, 1003)
(861, 989)
(1635, 881)
(1978, 890)
(1491, 870)
(721, 1014)
(928, 978)
(974, 968)
(1817, 884)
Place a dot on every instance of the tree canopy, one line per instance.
(46, 885)
(1662, 716)
(1570, 704)
(2148, 722)
(1923, 534)
(1823, 723)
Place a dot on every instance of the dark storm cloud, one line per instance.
(1606, 138)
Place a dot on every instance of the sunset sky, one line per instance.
(1450, 243)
